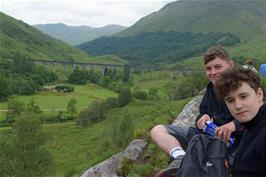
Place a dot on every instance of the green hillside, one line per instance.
(158, 47)
(17, 36)
(184, 29)
(243, 18)
(75, 35)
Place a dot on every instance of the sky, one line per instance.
(93, 13)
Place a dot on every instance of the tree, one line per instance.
(120, 133)
(5, 87)
(126, 130)
(14, 110)
(126, 77)
(78, 76)
(7, 151)
(124, 97)
(23, 64)
(94, 113)
(33, 107)
(31, 158)
(82, 119)
(72, 107)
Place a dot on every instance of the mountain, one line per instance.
(157, 47)
(17, 36)
(185, 29)
(75, 35)
(242, 18)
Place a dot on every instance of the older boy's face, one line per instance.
(215, 67)
(244, 103)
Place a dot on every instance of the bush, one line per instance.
(82, 119)
(110, 103)
(5, 88)
(188, 87)
(78, 77)
(14, 110)
(94, 113)
(153, 94)
(72, 107)
(124, 97)
(140, 94)
(120, 133)
(115, 86)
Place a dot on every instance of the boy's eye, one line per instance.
(243, 96)
(208, 68)
(229, 100)
(218, 66)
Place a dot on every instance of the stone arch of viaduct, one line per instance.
(141, 69)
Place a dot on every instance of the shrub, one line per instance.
(72, 107)
(110, 103)
(33, 107)
(120, 133)
(82, 119)
(5, 87)
(78, 76)
(153, 94)
(190, 86)
(94, 113)
(14, 110)
(124, 97)
(140, 94)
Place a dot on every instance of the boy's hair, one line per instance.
(233, 78)
(216, 51)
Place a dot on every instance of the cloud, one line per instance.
(74, 13)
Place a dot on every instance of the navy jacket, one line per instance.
(250, 159)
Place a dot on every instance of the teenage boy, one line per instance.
(243, 95)
(173, 140)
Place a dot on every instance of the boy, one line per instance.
(243, 95)
(174, 139)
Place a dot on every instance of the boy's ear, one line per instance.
(260, 93)
(232, 63)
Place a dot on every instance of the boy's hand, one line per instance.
(224, 132)
(202, 121)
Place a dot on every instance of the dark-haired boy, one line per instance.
(243, 95)
(174, 139)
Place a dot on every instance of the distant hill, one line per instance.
(185, 29)
(17, 36)
(157, 47)
(75, 35)
(242, 18)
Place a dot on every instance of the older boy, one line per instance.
(174, 139)
(243, 95)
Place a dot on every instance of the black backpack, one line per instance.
(206, 156)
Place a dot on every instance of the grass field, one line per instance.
(76, 149)
(84, 94)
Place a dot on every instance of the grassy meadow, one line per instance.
(54, 101)
(76, 149)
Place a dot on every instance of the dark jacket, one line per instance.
(250, 159)
(216, 109)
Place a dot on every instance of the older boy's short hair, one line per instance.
(216, 51)
(232, 79)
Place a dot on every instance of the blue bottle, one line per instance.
(209, 129)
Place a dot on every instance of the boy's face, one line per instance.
(215, 67)
(244, 102)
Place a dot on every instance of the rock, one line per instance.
(111, 166)
(190, 111)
